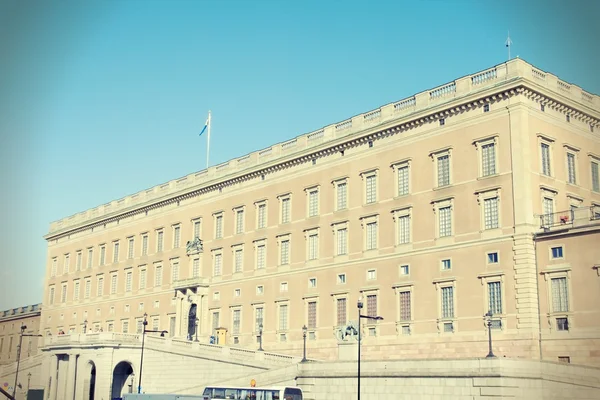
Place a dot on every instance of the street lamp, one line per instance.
(489, 316)
(260, 330)
(23, 327)
(144, 331)
(197, 320)
(304, 330)
(359, 305)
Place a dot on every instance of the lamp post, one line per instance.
(359, 305)
(28, 382)
(23, 327)
(197, 320)
(260, 331)
(304, 330)
(144, 331)
(489, 316)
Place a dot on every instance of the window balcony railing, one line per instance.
(573, 218)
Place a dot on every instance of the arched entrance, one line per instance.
(122, 381)
(192, 322)
(89, 382)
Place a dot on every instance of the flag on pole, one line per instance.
(205, 126)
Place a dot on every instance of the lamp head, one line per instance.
(359, 304)
(304, 329)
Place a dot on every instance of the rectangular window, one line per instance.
(260, 289)
(557, 252)
(571, 168)
(313, 247)
(218, 264)
(342, 241)
(371, 236)
(445, 221)
(236, 321)
(448, 302)
(446, 265)
(312, 315)
(404, 229)
(116, 252)
(66, 265)
(155, 323)
(342, 196)
(260, 256)
(88, 289)
(215, 322)
(125, 326)
(51, 296)
(495, 298)
(258, 318)
(404, 270)
(143, 279)
(371, 189)
(492, 258)
(285, 252)
(239, 221)
(90, 258)
(113, 284)
(218, 227)
(196, 229)
(488, 159)
(312, 283)
(128, 281)
(403, 181)
(175, 271)
(283, 287)
(545, 149)
(595, 176)
(371, 275)
(102, 255)
(372, 305)
(560, 296)
(63, 294)
(76, 291)
(562, 324)
(341, 279)
(158, 275)
(262, 216)
(285, 210)
(548, 205)
(443, 170)
(159, 241)
(196, 268)
(145, 245)
(405, 306)
(176, 236)
(341, 312)
(490, 213)
(313, 203)
(100, 288)
(239, 258)
(130, 248)
(283, 317)
(78, 261)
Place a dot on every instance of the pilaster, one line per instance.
(71, 377)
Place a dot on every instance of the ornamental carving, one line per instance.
(194, 246)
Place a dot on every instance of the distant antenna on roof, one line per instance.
(508, 44)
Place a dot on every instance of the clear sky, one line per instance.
(101, 99)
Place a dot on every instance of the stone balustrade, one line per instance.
(91, 338)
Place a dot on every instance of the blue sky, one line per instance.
(102, 99)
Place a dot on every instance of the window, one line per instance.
(492, 258)
(312, 315)
(341, 238)
(313, 202)
(564, 359)
(260, 255)
(258, 318)
(443, 170)
(115, 252)
(560, 297)
(371, 236)
(341, 311)
(218, 260)
(54, 267)
(125, 326)
(128, 280)
(237, 292)
(141, 307)
(158, 275)
(159, 241)
(238, 259)
(113, 284)
(371, 188)
(66, 264)
(196, 229)
(486, 108)
(445, 221)
(312, 283)
(145, 244)
(557, 252)
(285, 208)
(548, 210)
(341, 279)
(100, 288)
(341, 188)
(102, 255)
(494, 297)
(239, 221)
(215, 321)
(283, 317)
(372, 305)
(51, 295)
(195, 268)
(313, 246)
(572, 177)
(562, 324)
(88, 289)
(446, 265)
(216, 296)
(130, 248)
(545, 156)
(371, 275)
(405, 305)
(490, 213)
(78, 261)
(402, 218)
(90, 257)
(260, 289)
(283, 287)
(442, 121)
(143, 278)
(176, 236)
(448, 302)
(595, 176)
(404, 270)
(127, 308)
(218, 226)
(285, 252)
(174, 270)
(76, 290)
(261, 219)
(488, 159)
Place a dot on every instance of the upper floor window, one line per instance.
(238, 256)
(90, 257)
(313, 244)
(545, 145)
(196, 228)
(443, 208)
(66, 264)
(341, 194)
(441, 158)
(284, 250)
(102, 254)
(402, 170)
(176, 236)
(78, 261)
(261, 215)
(239, 220)
(54, 267)
(370, 188)
(313, 202)
(261, 250)
(116, 252)
(560, 297)
(130, 248)
(144, 244)
(160, 240)
(286, 205)
(218, 264)
(595, 173)
(218, 225)
(402, 217)
(571, 173)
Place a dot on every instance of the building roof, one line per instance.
(21, 312)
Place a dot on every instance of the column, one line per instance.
(50, 384)
(178, 307)
(71, 377)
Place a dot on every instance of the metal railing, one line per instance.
(575, 217)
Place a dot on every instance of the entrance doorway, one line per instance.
(122, 374)
(192, 322)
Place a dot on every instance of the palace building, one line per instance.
(480, 196)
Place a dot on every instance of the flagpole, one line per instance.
(208, 141)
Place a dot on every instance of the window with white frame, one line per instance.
(260, 248)
(238, 258)
(447, 302)
(160, 235)
(155, 323)
(341, 194)
(130, 248)
(218, 218)
(76, 290)
(90, 257)
(217, 262)
(283, 287)
(285, 203)
(556, 252)
(443, 208)
(261, 214)
(403, 229)
(557, 281)
(67, 261)
(492, 258)
(486, 148)
(239, 220)
(54, 267)
(371, 274)
(313, 201)
(341, 279)
(312, 244)
(125, 326)
(545, 146)
(571, 168)
(341, 311)
(78, 261)
(560, 294)
(259, 313)
(113, 284)
(100, 285)
(174, 270)
(371, 300)
(446, 264)
(493, 284)
(595, 174)
(283, 317)
(215, 321)
(128, 280)
(63, 293)
(195, 268)
(404, 270)
(158, 275)
(216, 296)
(144, 244)
(548, 207)
(102, 254)
(370, 179)
(370, 227)
(176, 236)
(143, 278)
(284, 249)
(116, 246)
(237, 292)
(260, 289)
(51, 295)
(402, 171)
(441, 159)
(490, 213)
(312, 283)
(196, 228)
(340, 231)
(494, 291)
(88, 289)
(311, 313)
(405, 305)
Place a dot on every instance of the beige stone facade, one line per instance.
(10, 332)
(435, 209)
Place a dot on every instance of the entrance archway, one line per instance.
(89, 382)
(192, 322)
(121, 374)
